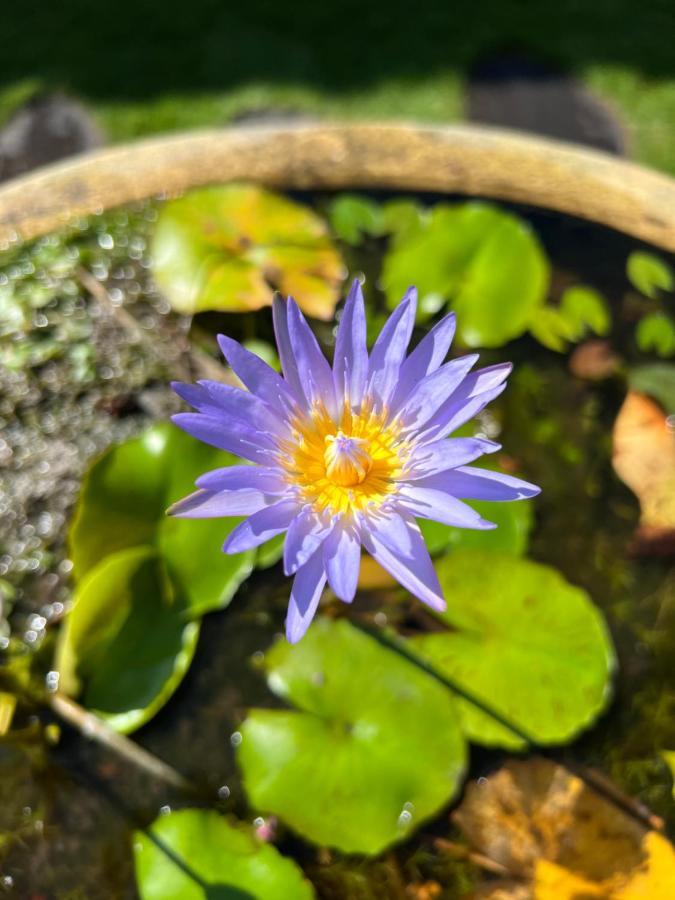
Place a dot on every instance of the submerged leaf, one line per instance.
(525, 643)
(195, 854)
(372, 749)
(230, 247)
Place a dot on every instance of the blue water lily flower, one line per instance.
(349, 456)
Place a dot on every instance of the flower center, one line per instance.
(343, 468)
(347, 459)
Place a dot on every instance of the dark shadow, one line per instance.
(131, 49)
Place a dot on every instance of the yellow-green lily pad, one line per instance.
(485, 263)
(195, 854)
(231, 247)
(372, 748)
(525, 643)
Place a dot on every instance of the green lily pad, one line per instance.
(230, 247)
(525, 642)
(372, 749)
(581, 310)
(649, 273)
(195, 854)
(125, 643)
(351, 217)
(513, 520)
(487, 264)
(657, 381)
(656, 332)
(123, 504)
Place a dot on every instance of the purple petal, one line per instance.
(258, 377)
(317, 377)
(425, 358)
(305, 595)
(431, 393)
(457, 411)
(390, 348)
(475, 392)
(238, 478)
(447, 453)
(406, 559)
(484, 484)
(342, 560)
(350, 362)
(245, 405)
(228, 434)
(305, 535)
(288, 362)
(215, 504)
(261, 526)
(429, 499)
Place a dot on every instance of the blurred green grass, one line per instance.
(146, 67)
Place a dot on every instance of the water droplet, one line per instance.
(164, 810)
(404, 819)
(105, 241)
(481, 782)
(236, 738)
(223, 792)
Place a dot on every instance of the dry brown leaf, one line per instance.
(561, 840)
(644, 459)
(534, 809)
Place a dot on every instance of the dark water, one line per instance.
(68, 807)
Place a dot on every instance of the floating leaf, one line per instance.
(487, 263)
(551, 329)
(351, 216)
(581, 310)
(657, 381)
(656, 332)
(125, 643)
(523, 641)
(649, 273)
(372, 749)
(560, 840)
(230, 247)
(195, 854)
(123, 504)
(585, 310)
(513, 520)
(643, 457)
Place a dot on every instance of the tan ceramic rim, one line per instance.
(461, 159)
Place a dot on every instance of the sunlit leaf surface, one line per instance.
(480, 260)
(123, 504)
(372, 748)
(656, 332)
(195, 854)
(230, 247)
(649, 273)
(523, 641)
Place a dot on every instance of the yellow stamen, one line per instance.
(344, 468)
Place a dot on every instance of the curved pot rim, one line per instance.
(456, 159)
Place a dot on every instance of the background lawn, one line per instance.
(147, 67)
